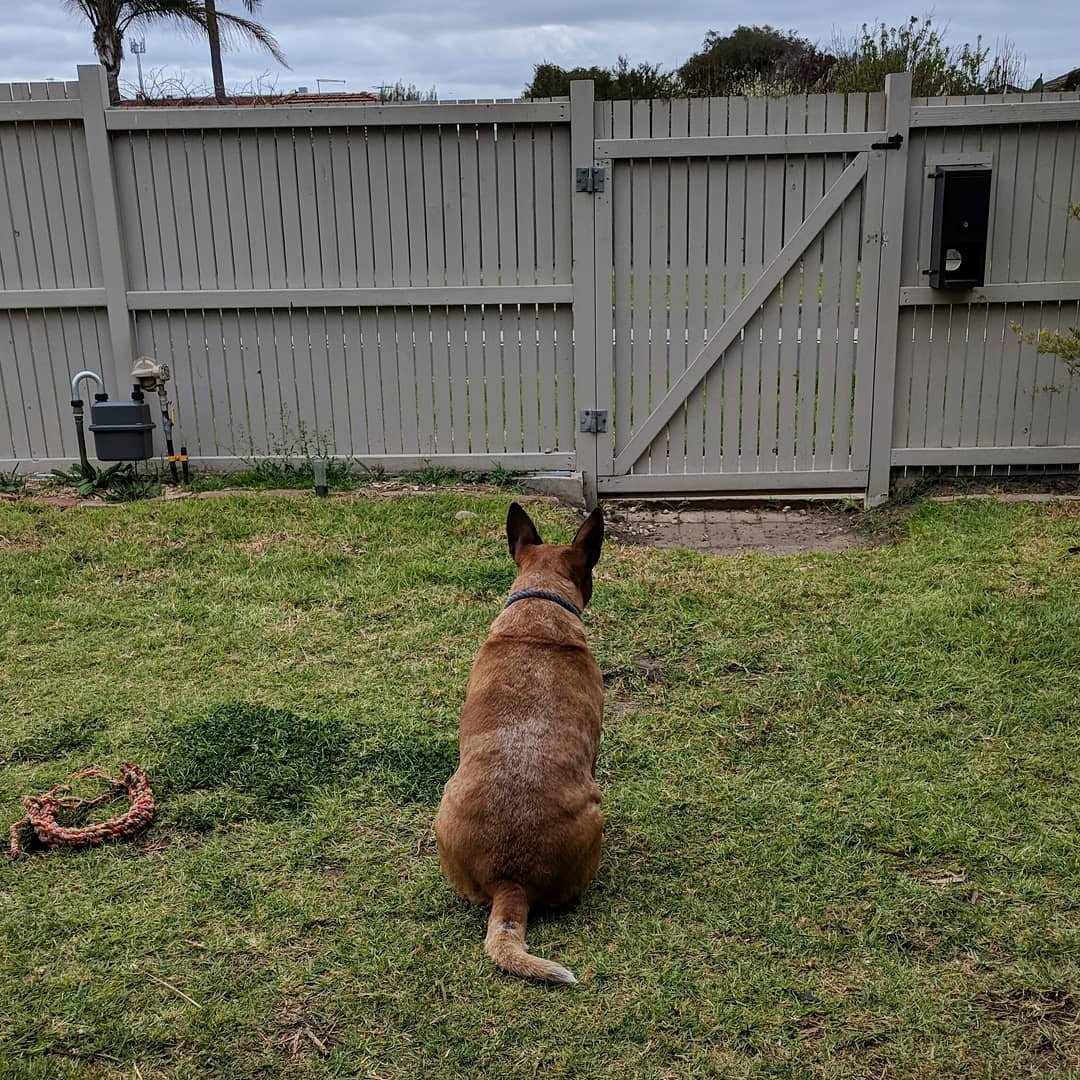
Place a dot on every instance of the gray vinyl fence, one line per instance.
(743, 300)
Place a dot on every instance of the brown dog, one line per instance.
(520, 824)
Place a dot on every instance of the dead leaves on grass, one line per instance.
(1026, 1006)
(261, 543)
(298, 1035)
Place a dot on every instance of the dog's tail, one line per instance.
(505, 942)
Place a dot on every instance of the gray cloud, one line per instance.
(477, 48)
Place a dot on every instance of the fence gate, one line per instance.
(746, 244)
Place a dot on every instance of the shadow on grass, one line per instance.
(248, 762)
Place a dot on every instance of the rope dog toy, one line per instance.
(42, 811)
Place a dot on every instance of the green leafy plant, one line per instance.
(1064, 344)
(619, 82)
(116, 483)
(11, 483)
(288, 461)
(130, 487)
(371, 472)
(499, 477)
(937, 68)
(756, 60)
(401, 91)
(433, 476)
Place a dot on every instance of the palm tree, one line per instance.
(214, 37)
(111, 20)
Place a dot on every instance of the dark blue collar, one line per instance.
(539, 594)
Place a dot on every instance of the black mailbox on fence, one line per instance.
(961, 222)
(123, 430)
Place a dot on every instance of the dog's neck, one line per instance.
(546, 581)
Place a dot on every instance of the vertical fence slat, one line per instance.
(233, 172)
(410, 183)
(640, 273)
(356, 195)
(38, 219)
(698, 226)
(333, 224)
(831, 326)
(771, 226)
(659, 279)
(810, 306)
(727, 191)
(379, 200)
(373, 383)
(790, 354)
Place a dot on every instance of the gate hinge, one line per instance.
(593, 421)
(589, 179)
(893, 142)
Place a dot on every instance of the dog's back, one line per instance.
(520, 823)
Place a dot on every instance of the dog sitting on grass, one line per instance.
(520, 824)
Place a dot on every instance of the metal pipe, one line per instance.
(85, 375)
(77, 409)
(84, 461)
(167, 427)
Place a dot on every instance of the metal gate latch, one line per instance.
(893, 142)
(593, 421)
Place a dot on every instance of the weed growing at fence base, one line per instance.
(841, 809)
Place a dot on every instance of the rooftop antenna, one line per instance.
(138, 47)
(319, 82)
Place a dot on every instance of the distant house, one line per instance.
(1069, 81)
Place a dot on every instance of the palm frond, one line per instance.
(189, 17)
(92, 10)
(236, 30)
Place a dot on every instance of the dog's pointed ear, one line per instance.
(520, 531)
(590, 537)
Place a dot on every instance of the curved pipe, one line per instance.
(85, 375)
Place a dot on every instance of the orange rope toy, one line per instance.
(42, 811)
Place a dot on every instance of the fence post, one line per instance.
(94, 95)
(604, 263)
(897, 122)
(583, 261)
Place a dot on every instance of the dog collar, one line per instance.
(539, 594)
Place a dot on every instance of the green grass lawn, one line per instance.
(841, 827)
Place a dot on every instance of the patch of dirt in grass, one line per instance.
(299, 1034)
(617, 707)
(1047, 1021)
(643, 666)
(259, 545)
(22, 545)
(160, 840)
(1035, 1006)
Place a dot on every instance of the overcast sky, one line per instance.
(477, 48)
